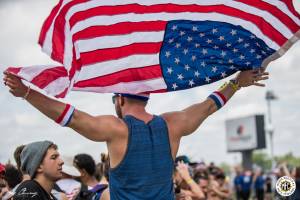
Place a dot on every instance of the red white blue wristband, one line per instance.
(66, 115)
(218, 98)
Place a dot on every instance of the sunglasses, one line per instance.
(114, 98)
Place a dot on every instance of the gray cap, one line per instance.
(32, 156)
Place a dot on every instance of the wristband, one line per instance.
(27, 93)
(218, 98)
(234, 84)
(66, 115)
(189, 181)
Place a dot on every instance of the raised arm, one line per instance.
(101, 128)
(185, 122)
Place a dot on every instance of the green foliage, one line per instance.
(263, 160)
(289, 159)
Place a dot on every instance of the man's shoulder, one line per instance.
(27, 190)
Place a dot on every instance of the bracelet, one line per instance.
(27, 93)
(189, 181)
(218, 98)
(234, 84)
(66, 116)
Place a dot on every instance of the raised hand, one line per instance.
(16, 86)
(252, 77)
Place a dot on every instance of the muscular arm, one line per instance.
(188, 120)
(101, 128)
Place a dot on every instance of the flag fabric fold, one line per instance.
(129, 46)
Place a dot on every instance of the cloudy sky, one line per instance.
(20, 22)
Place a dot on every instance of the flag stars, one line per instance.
(214, 69)
(170, 70)
(257, 44)
(191, 82)
(209, 41)
(233, 32)
(232, 67)
(215, 47)
(168, 54)
(223, 74)
(242, 57)
(240, 40)
(215, 30)
(171, 40)
(201, 34)
(258, 56)
(235, 50)
(186, 67)
(228, 45)
(246, 45)
(203, 64)
(197, 45)
(230, 61)
(263, 52)
(204, 51)
(252, 51)
(195, 28)
(174, 27)
(180, 76)
(248, 63)
(182, 33)
(221, 38)
(185, 51)
(177, 61)
(197, 74)
(189, 39)
(207, 79)
(252, 36)
(223, 54)
(174, 86)
(193, 58)
(178, 45)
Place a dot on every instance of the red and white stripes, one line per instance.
(102, 43)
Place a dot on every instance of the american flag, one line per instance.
(144, 46)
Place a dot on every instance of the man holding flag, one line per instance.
(142, 146)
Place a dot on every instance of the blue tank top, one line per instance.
(145, 173)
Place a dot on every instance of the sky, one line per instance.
(20, 123)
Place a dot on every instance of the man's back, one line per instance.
(146, 169)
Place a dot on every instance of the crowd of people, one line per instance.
(40, 167)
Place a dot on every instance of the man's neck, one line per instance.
(45, 183)
(138, 112)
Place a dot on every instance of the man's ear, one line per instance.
(40, 169)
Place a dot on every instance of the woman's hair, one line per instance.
(102, 168)
(86, 162)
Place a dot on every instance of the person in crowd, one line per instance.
(5, 193)
(87, 168)
(42, 162)
(218, 188)
(268, 185)
(17, 157)
(13, 176)
(238, 182)
(246, 185)
(185, 183)
(137, 139)
(102, 169)
(259, 185)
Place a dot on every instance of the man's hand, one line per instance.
(252, 77)
(16, 87)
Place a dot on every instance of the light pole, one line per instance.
(270, 96)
